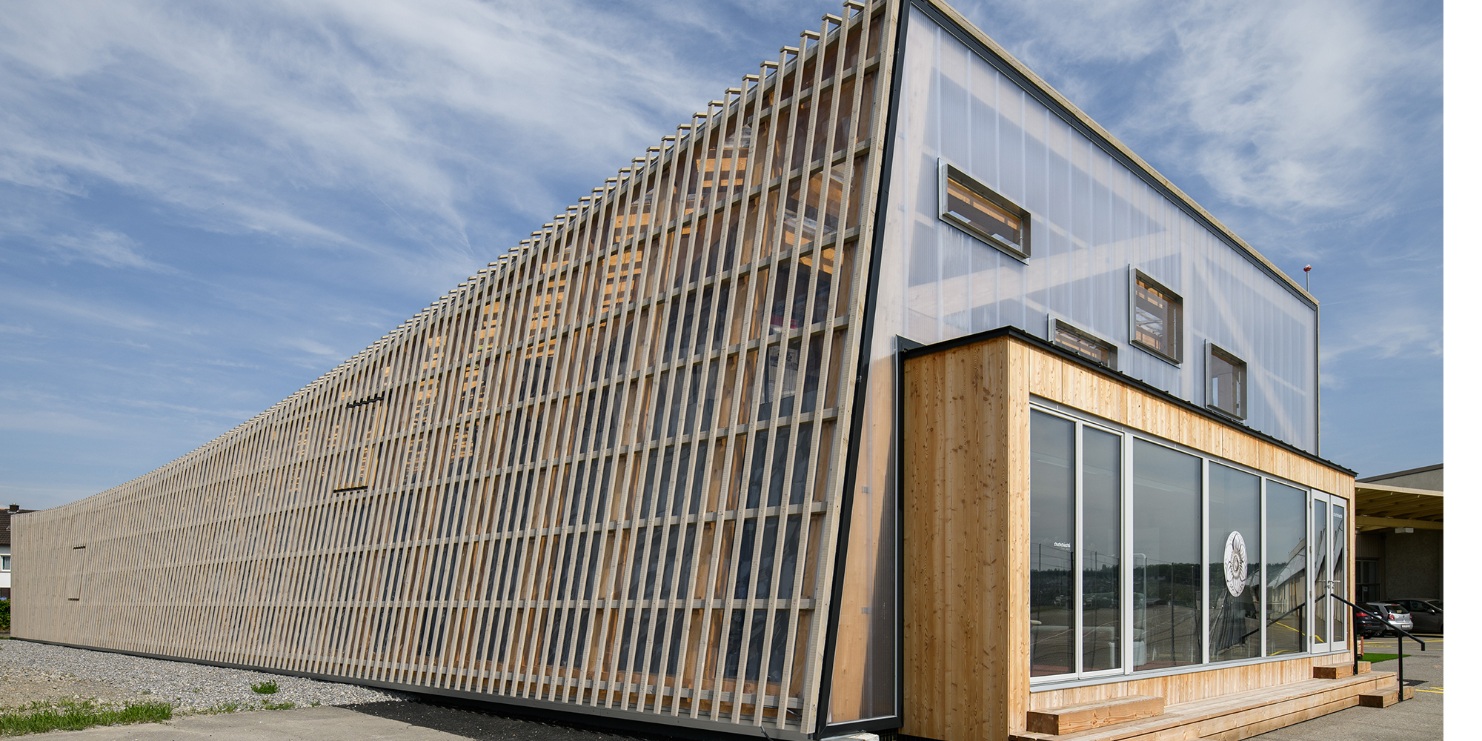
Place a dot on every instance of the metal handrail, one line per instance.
(1400, 635)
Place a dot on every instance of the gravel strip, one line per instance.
(32, 672)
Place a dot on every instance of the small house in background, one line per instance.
(889, 393)
(5, 560)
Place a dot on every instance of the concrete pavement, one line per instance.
(1418, 718)
(1411, 720)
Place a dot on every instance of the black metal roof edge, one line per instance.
(1044, 345)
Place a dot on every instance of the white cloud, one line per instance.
(1284, 106)
(103, 247)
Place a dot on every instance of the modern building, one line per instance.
(890, 392)
(1400, 532)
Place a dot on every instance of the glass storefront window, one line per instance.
(1101, 549)
(1209, 563)
(1051, 546)
(1167, 621)
(1286, 569)
(1234, 564)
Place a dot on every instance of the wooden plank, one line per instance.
(1094, 715)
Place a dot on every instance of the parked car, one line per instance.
(1368, 624)
(1397, 615)
(1425, 613)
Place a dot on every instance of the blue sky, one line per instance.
(203, 207)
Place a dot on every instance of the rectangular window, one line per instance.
(1234, 562)
(972, 207)
(1083, 343)
(1166, 525)
(1226, 392)
(5, 563)
(1157, 318)
(1075, 562)
(1286, 569)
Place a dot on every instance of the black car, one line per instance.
(1368, 625)
(1425, 613)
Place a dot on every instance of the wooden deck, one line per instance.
(1240, 715)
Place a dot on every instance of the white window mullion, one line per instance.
(1204, 558)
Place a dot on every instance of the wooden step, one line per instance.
(1385, 697)
(1336, 671)
(1237, 715)
(1093, 715)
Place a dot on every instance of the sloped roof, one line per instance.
(5, 523)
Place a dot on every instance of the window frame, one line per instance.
(1057, 324)
(948, 172)
(1139, 281)
(1128, 670)
(1240, 373)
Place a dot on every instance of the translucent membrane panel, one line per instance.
(1167, 625)
(1101, 549)
(1051, 546)
(1286, 569)
(1234, 564)
(1091, 221)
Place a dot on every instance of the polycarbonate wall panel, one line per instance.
(604, 473)
(1092, 221)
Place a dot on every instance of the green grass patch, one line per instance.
(1375, 657)
(266, 705)
(75, 715)
(269, 687)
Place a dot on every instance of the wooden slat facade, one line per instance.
(603, 472)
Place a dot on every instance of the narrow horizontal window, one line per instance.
(1157, 318)
(1083, 343)
(972, 207)
(1226, 390)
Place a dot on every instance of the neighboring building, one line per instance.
(1401, 534)
(890, 393)
(5, 561)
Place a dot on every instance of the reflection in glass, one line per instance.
(1320, 601)
(1286, 570)
(1167, 624)
(1234, 564)
(1101, 548)
(1051, 549)
(1339, 536)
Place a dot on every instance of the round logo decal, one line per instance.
(1235, 563)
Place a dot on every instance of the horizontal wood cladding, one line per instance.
(965, 469)
(604, 471)
(1056, 378)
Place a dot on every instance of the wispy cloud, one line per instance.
(1291, 107)
(103, 247)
